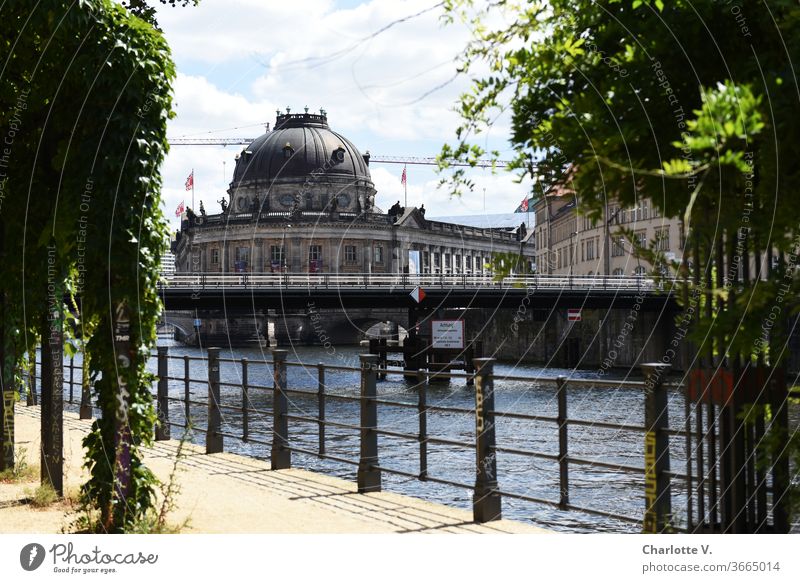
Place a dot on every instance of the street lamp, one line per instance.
(571, 251)
(283, 248)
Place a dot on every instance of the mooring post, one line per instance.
(369, 477)
(658, 502)
(486, 499)
(162, 400)
(214, 436)
(563, 464)
(280, 455)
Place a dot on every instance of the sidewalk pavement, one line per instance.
(229, 493)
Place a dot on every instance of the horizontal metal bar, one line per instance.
(604, 425)
(605, 465)
(179, 400)
(441, 441)
(428, 478)
(525, 452)
(325, 456)
(525, 416)
(396, 403)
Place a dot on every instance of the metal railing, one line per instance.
(283, 434)
(212, 280)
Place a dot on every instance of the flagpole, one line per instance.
(405, 186)
(192, 189)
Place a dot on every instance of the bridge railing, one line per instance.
(210, 281)
(287, 420)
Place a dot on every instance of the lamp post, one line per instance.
(283, 255)
(571, 251)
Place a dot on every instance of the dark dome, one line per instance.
(300, 144)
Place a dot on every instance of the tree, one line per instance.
(85, 92)
(691, 104)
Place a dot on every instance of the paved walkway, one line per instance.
(228, 493)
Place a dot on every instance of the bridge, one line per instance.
(290, 291)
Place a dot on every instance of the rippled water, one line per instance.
(592, 487)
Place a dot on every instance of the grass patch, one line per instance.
(43, 496)
(22, 471)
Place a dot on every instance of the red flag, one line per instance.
(180, 210)
(190, 181)
(523, 207)
(403, 178)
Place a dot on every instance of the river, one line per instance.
(592, 487)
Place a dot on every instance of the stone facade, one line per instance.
(569, 242)
(302, 200)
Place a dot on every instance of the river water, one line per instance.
(593, 487)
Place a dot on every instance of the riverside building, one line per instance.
(302, 200)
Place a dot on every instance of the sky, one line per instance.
(393, 94)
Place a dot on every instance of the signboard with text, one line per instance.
(447, 334)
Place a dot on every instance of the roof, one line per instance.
(493, 221)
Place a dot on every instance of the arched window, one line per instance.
(618, 272)
(640, 271)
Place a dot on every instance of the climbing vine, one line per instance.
(83, 176)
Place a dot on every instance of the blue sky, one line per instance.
(240, 60)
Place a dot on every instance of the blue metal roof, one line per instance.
(490, 221)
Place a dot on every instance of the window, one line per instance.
(617, 272)
(242, 254)
(447, 265)
(662, 239)
(241, 259)
(437, 259)
(350, 254)
(314, 252)
(590, 249)
(468, 264)
(426, 261)
(276, 254)
(640, 270)
(641, 237)
(215, 256)
(457, 265)
(617, 249)
(377, 254)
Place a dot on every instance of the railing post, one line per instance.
(245, 402)
(422, 410)
(71, 383)
(187, 391)
(86, 388)
(280, 456)
(162, 426)
(31, 400)
(658, 501)
(369, 477)
(563, 464)
(213, 436)
(486, 499)
(321, 406)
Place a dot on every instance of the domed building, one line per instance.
(302, 200)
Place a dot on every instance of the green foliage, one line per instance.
(43, 496)
(22, 471)
(690, 104)
(146, 11)
(87, 88)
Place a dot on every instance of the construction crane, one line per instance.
(374, 158)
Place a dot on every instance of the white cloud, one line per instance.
(239, 60)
